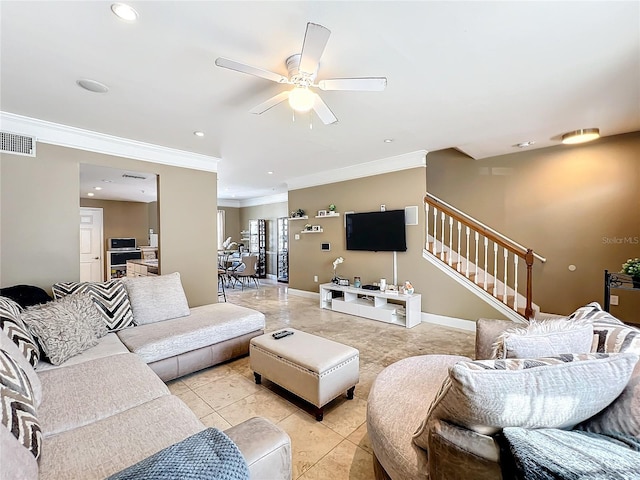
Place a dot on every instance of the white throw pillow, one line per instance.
(544, 339)
(488, 395)
(156, 298)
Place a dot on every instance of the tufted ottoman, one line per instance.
(314, 368)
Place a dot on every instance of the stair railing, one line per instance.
(447, 222)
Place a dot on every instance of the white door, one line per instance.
(91, 264)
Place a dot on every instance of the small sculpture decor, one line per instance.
(336, 262)
(297, 213)
(308, 227)
(408, 288)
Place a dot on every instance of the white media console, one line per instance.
(396, 308)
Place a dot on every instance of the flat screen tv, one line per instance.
(377, 231)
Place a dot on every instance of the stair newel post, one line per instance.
(528, 258)
(506, 258)
(442, 237)
(458, 267)
(468, 231)
(515, 282)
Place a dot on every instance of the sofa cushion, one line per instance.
(16, 462)
(156, 298)
(25, 295)
(623, 415)
(610, 334)
(15, 353)
(18, 404)
(594, 312)
(559, 392)
(61, 328)
(207, 325)
(17, 331)
(103, 448)
(108, 345)
(544, 339)
(110, 297)
(84, 393)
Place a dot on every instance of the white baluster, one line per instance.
(458, 259)
(515, 282)
(504, 295)
(442, 237)
(468, 231)
(495, 269)
(486, 249)
(435, 228)
(426, 227)
(450, 238)
(477, 259)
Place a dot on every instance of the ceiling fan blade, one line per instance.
(258, 72)
(367, 84)
(272, 102)
(323, 111)
(315, 39)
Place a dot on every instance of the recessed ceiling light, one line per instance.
(92, 85)
(388, 140)
(90, 194)
(107, 181)
(525, 144)
(124, 12)
(270, 173)
(97, 188)
(581, 136)
(199, 134)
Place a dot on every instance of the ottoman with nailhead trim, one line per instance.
(314, 368)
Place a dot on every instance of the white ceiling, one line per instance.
(107, 183)
(479, 76)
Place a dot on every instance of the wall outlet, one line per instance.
(297, 236)
(613, 299)
(383, 207)
(315, 278)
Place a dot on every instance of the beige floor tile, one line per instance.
(177, 387)
(361, 438)
(345, 416)
(310, 441)
(241, 367)
(226, 390)
(208, 375)
(216, 421)
(196, 404)
(345, 462)
(263, 403)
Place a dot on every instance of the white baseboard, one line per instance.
(271, 276)
(459, 323)
(303, 293)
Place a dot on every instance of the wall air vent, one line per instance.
(135, 177)
(17, 144)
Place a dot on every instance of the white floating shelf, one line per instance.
(328, 215)
(299, 218)
(311, 231)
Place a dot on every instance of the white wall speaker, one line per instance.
(411, 215)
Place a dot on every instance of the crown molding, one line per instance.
(252, 202)
(224, 202)
(72, 137)
(376, 167)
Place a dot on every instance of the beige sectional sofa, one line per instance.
(107, 408)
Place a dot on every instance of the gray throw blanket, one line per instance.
(207, 455)
(551, 454)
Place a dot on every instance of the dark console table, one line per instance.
(620, 281)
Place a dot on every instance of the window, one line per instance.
(221, 234)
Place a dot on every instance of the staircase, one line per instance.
(496, 268)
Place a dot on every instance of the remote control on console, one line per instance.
(282, 334)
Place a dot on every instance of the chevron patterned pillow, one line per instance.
(17, 399)
(110, 297)
(17, 331)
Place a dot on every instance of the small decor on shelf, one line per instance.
(356, 282)
(408, 288)
(308, 227)
(316, 228)
(322, 213)
(336, 262)
(632, 268)
(332, 208)
(297, 213)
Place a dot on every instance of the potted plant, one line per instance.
(632, 267)
(332, 208)
(308, 227)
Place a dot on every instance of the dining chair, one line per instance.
(250, 271)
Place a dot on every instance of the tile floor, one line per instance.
(338, 447)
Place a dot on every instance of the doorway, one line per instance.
(91, 241)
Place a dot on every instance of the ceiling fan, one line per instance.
(303, 68)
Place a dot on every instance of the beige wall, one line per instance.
(231, 222)
(122, 219)
(154, 220)
(40, 203)
(574, 205)
(440, 294)
(270, 212)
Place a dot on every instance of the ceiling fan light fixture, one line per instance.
(581, 136)
(301, 99)
(124, 12)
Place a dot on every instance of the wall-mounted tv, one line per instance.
(377, 231)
